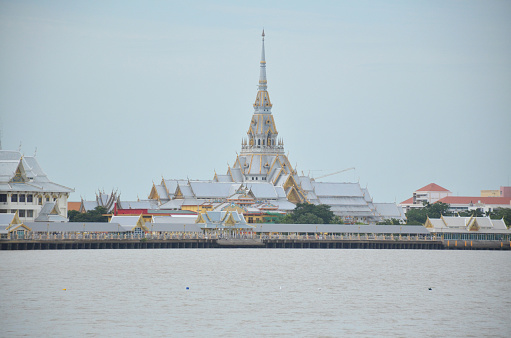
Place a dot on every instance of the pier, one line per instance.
(268, 243)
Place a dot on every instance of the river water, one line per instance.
(255, 292)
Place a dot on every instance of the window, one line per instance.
(47, 199)
(30, 198)
(138, 232)
(14, 198)
(30, 213)
(3, 198)
(22, 198)
(21, 213)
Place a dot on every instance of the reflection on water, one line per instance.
(233, 292)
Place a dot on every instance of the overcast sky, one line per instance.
(117, 94)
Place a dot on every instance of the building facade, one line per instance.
(25, 188)
(470, 203)
(430, 193)
(469, 228)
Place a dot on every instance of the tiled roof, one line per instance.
(74, 206)
(475, 200)
(432, 187)
(408, 201)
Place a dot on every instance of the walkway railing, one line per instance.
(203, 236)
(352, 237)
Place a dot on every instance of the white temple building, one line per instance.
(264, 171)
(25, 188)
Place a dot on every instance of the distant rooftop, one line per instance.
(432, 187)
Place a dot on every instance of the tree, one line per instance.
(336, 220)
(502, 213)
(468, 213)
(419, 216)
(309, 218)
(95, 215)
(416, 216)
(305, 213)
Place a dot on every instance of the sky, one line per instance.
(115, 95)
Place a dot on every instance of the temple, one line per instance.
(262, 181)
(25, 189)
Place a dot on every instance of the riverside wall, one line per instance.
(202, 243)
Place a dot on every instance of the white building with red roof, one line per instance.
(484, 204)
(430, 193)
(433, 193)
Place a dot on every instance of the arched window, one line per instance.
(259, 142)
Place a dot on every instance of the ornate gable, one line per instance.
(290, 182)
(473, 226)
(153, 195)
(178, 194)
(19, 175)
(55, 210)
(293, 196)
(229, 220)
(17, 227)
(140, 224)
(15, 221)
(200, 219)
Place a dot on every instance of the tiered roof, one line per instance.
(466, 224)
(23, 173)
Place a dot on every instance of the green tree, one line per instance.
(502, 213)
(416, 216)
(468, 213)
(336, 220)
(309, 218)
(305, 213)
(95, 215)
(420, 215)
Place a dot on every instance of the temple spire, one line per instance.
(262, 103)
(262, 73)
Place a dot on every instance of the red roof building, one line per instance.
(433, 193)
(433, 187)
(430, 193)
(484, 204)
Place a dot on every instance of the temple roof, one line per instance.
(23, 173)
